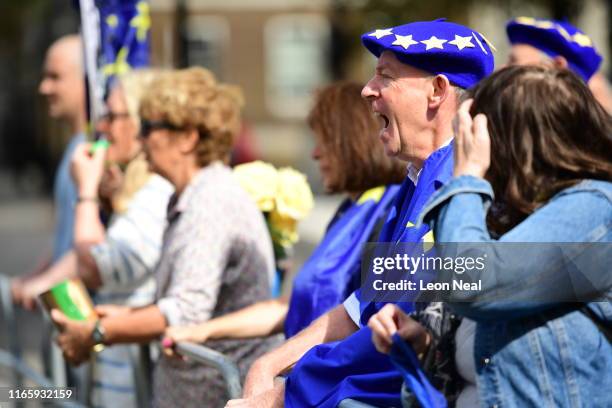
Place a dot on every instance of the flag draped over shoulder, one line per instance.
(352, 368)
(332, 272)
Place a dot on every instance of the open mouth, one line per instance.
(384, 119)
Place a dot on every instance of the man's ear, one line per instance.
(188, 140)
(560, 62)
(440, 90)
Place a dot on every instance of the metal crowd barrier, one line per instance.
(228, 369)
(12, 358)
(208, 356)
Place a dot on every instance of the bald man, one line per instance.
(63, 87)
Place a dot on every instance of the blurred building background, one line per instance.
(278, 51)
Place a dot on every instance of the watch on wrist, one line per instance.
(97, 335)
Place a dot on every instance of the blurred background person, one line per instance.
(600, 86)
(63, 86)
(527, 160)
(560, 44)
(217, 254)
(351, 161)
(117, 262)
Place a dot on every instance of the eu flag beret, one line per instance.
(461, 54)
(557, 38)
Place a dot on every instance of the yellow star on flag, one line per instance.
(112, 20)
(434, 42)
(582, 40)
(462, 42)
(428, 241)
(142, 20)
(374, 194)
(404, 41)
(120, 66)
(381, 33)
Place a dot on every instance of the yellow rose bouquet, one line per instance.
(283, 195)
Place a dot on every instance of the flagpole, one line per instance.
(90, 32)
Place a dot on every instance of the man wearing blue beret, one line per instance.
(422, 70)
(538, 41)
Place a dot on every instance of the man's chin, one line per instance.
(391, 151)
(55, 113)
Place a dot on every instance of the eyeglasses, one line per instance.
(110, 116)
(147, 126)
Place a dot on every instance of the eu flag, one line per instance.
(125, 35)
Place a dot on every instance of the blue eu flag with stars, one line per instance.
(125, 35)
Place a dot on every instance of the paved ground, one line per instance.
(25, 236)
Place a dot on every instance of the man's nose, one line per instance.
(44, 87)
(369, 91)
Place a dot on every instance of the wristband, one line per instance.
(87, 199)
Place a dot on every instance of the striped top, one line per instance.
(127, 258)
(126, 262)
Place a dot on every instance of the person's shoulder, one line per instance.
(585, 207)
(217, 189)
(157, 183)
(597, 190)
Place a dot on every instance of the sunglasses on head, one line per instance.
(148, 126)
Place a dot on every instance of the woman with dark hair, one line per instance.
(534, 165)
(352, 162)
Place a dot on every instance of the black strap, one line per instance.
(604, 327)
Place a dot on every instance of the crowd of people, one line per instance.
(437, 147)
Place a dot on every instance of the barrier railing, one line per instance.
(205, 355)
(227, 368)
(12, 358)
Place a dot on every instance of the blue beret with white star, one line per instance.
(438, 47)
(557, 38)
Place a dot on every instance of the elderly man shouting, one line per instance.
(421, 72)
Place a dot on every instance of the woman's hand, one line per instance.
(472, 143)
(391, 319)
(25, 291)
(87, 169)
(195, 334)
(176, 334)
(22, 295)
(75, 337)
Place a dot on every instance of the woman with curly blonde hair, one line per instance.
(217, 255)
(116, 261)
